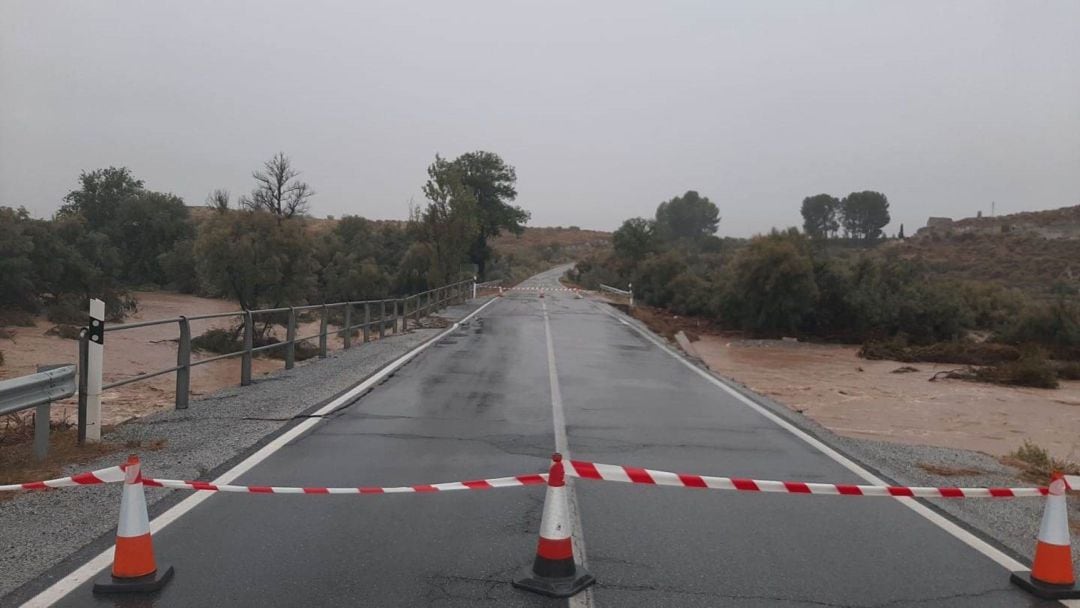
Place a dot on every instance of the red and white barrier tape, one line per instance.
(611, 472)
(108, 475)
(479, 484)
(574, 468)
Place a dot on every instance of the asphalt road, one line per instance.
(479, 404)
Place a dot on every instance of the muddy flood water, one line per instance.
(140, 351)
(866, 399)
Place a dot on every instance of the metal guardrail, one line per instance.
(615, 290)
(379, 317)
(38, 391)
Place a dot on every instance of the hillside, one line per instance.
(1037, 252)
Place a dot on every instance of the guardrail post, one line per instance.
(249, 340)
(183, 365)
(290, 339)
(630, 288)
(347, 340)
(398, 307)
(382, 319)
(367, 322)
(94, 364)
(41, 432)
(84, 343)
(323, 324)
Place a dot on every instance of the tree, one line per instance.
(690, 216)
(18, 279)
(277, 190)
(773, 286)
(492, 184)
(218, 200)
(101, 193)
(864, 214)
(256, 259)
(147, 225)
(900, 235)
(819, 216)
(634, 239)
(449, 223)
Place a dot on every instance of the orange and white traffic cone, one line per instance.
(134, 569)
(1051, 575)
(554, 572)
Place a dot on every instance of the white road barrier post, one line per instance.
(94, 361)
(630, 288)
(474, 288)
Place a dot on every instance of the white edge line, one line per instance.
(945, 524)
(83, 573)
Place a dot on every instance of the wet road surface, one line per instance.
(480, 404)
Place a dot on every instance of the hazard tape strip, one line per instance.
(90, 478)
(541, 289)
(478, 484)
(611, 472)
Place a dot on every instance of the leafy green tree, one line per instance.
(690, 216)
(819, 216)
(492, 184)
(277, 190)
(100, 195)
(449, 222)
(146, 226)
(18, 279)
(256, 259)
(772, 288)
(864, 214)
(634, 239)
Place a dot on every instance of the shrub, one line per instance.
(1055, 326)
(219, 341)
(1037, 463)
(18, 318)
(1, 357)
(1030, 370)
(967, 353)
(1068, 370)
(65, 332)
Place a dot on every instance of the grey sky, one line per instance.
(605, 108)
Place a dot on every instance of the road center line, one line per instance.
(558, 416)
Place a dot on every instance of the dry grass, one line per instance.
(17, 462)
(945, 471)
(1036, 464)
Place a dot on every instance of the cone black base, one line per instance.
(1044, 590)
(554, 587)
(143, 584)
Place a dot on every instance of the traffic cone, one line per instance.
(554, 572)
(541, 293)
(500, 291)
(1051, 575)
(134, 569)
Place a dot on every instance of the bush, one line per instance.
(218, 341)
(1, 357)
(1031, 370)
(1055, 326)
(1068, 370)
(65, 332)
(967, 353)
(1037, 463)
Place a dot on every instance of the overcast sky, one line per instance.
(605, 108)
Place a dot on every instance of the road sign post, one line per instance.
(95, 354)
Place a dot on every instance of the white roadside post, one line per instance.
(474, 288)
(630, 288)
(95, 353)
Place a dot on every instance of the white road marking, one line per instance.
(945, 524)
(558, 416)
(103, 560)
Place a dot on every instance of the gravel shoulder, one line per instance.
(45, 534)
(1009, 524)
